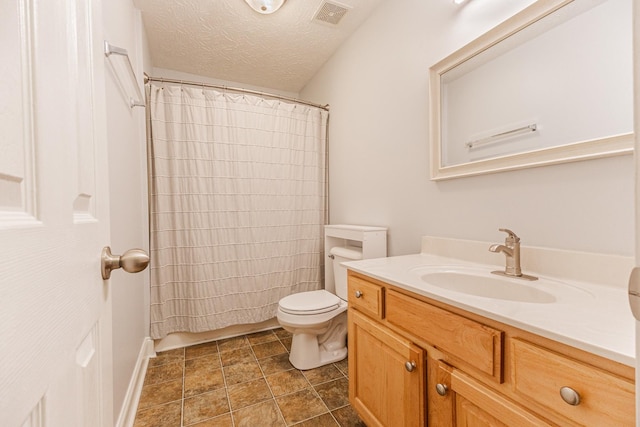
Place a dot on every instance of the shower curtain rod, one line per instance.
(148, 79)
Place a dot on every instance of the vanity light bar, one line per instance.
(474, 144)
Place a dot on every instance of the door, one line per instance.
(634, 300)
(55, 314)
(386, 375)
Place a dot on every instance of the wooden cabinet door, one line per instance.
(383, 389)
(470, 415)
(478, 406)
(440, 399)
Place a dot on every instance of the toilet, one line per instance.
(318, 319)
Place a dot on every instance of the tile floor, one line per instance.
(243, 381)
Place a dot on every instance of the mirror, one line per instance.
(552, 84)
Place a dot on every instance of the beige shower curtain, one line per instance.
(237, 206)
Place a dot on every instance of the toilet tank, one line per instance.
(343, 254)
(371, 240)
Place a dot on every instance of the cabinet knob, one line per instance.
(359, 294)
(410, 366)
(441, 389)
(570, 396)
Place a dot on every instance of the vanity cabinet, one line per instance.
(414, 361)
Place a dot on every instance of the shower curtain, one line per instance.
(237, 206)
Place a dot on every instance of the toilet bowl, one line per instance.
(318, 319)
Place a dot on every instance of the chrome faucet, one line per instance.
(511, 250)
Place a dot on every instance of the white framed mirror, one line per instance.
(552, 84)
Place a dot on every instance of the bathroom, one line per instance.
(377, 87)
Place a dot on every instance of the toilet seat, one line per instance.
(308, 303)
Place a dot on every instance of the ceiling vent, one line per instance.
(331, 12)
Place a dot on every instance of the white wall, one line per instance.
(128, 197)
(376, 85)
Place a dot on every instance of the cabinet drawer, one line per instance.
(366, 297)
(471, 343)
(538, 375)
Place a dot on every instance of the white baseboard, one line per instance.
(130, 405)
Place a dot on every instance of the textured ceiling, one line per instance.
(226, 39)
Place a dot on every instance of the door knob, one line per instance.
(132, 261)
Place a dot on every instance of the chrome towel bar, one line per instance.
(134, 101)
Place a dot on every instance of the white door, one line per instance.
(635, 301)
(55, 314)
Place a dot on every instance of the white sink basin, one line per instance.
(481, 283)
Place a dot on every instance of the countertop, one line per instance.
(588, 316)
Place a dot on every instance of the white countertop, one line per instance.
(588, 316)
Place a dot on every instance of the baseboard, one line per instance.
(128, 412)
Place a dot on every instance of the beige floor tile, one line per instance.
(164, 357)
(273, 364)
(263, 414)
(242, 372)
(268, 349)
(203, 382)
(167, 415)
(286, 342)
(220, 421)
(202, 365)
(204, 406)
(158, 394)
(343, 366)
(261, 337)
(193, 380)
(162, 373)
(249, 393)
(287, 382)
(233, 343)
(238, 355)
(347, 417)
(282, 333)
(324, 420)
(300, 406)
(334, 394)
(322, 374)
(200, 350)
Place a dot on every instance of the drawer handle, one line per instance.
(442, 389)
(359, 294)
(570, 396)
(410, 366)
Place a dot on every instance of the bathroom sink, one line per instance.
(480, 282)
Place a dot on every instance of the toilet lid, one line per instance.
(312, 302)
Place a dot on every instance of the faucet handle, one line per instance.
(511, 235)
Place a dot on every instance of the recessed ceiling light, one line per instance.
(265, 6)
(458, 1)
